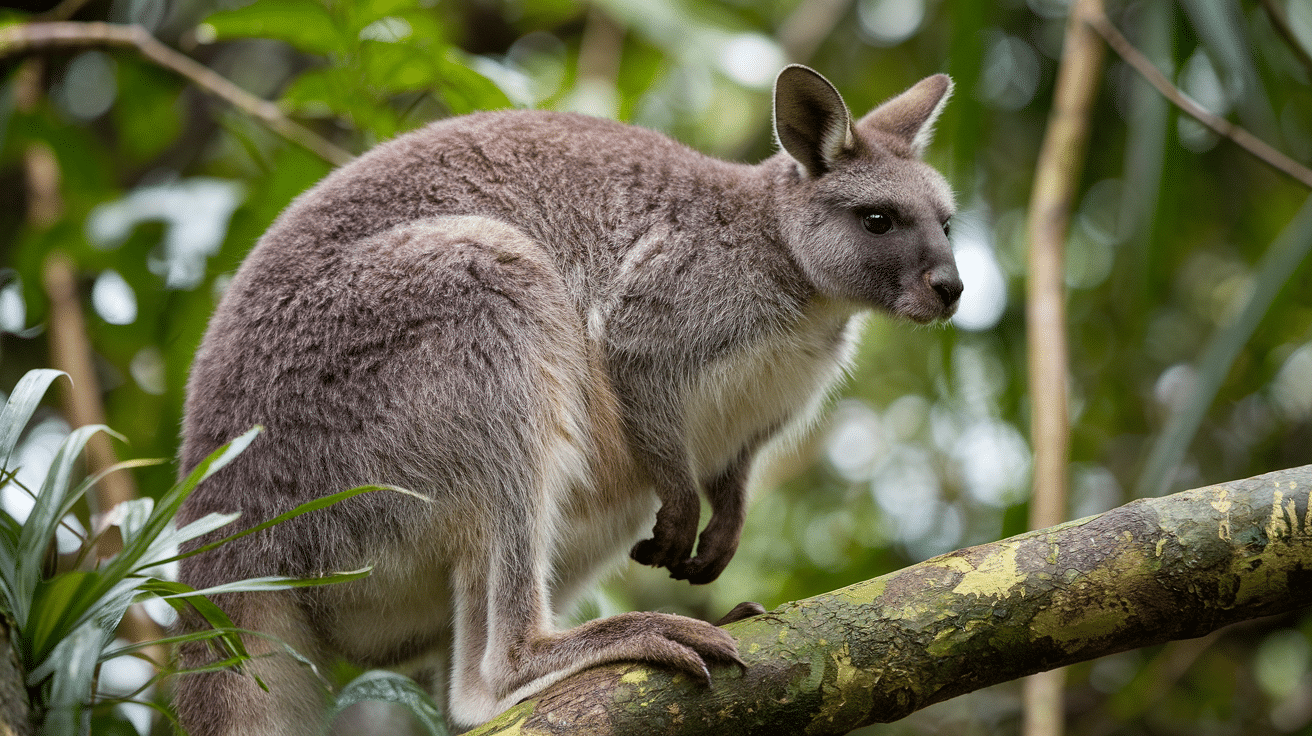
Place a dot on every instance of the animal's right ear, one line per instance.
(811, 121)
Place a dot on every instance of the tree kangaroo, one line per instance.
(559, 330)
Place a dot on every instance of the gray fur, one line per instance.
(554, 327)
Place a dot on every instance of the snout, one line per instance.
(945, 282)
(933, 296)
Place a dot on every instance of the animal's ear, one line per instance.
(910, 116)
(811, 121)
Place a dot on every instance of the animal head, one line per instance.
(868, 219)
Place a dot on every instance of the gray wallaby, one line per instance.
(556, 328)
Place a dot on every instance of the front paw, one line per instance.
(714, 551)
(662, 551)
(671, 539)
(699, 570)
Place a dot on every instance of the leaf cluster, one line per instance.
(61, 622)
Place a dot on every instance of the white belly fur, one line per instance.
(779, 385)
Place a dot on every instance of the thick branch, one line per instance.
(1148, 572)
(1215, 123)
(34, 37)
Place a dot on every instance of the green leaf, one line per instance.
(277, 582)
(102, 596)
(199, 528)
(179, 595)
(54, 614)
(389, 687)
(465, 90)
(304, 24)
(1274, 271)
(18, 409)
(149, 539)
(305, 508)
(40, 526)
(73, 674)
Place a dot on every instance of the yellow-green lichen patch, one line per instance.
(866, 592)
(955, 563)
(637, 677)
(1268, 580)
(511, 722)
(848, 695)
(1222, 503)
(947, 640)
(1279, 525)
(995, 576)
(1079, 613)
(1073, 625)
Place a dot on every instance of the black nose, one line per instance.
(945, 282)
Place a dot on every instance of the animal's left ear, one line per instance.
(910, 116)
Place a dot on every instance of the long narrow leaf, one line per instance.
(73, 674)
(168, 641)
(40, 526)
(55, 614)
(308, 506)
(9, 534)
(181, 596)
(197, 528)
(112, 584)
(90, 481)
(20, 406)
(277, 582)
(1278, 264)
(389, 687)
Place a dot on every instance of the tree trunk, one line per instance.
(1151, 571)
(15, 718)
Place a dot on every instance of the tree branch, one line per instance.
(1151, 571)
(1219, 125)
(30, 38)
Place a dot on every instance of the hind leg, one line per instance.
(511, 374)
(507, 649)
(231, 703)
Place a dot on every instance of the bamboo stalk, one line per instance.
(1056, 180)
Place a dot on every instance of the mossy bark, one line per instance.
(1151, 571)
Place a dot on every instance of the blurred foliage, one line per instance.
(161, 190)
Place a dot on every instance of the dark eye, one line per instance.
(947, 227)
(877, 223)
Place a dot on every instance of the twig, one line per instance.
(1055, 180)
(33, 37)
(1219, 125)
(1280, 20)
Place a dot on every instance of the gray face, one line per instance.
(876, 234)
(873, 228)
